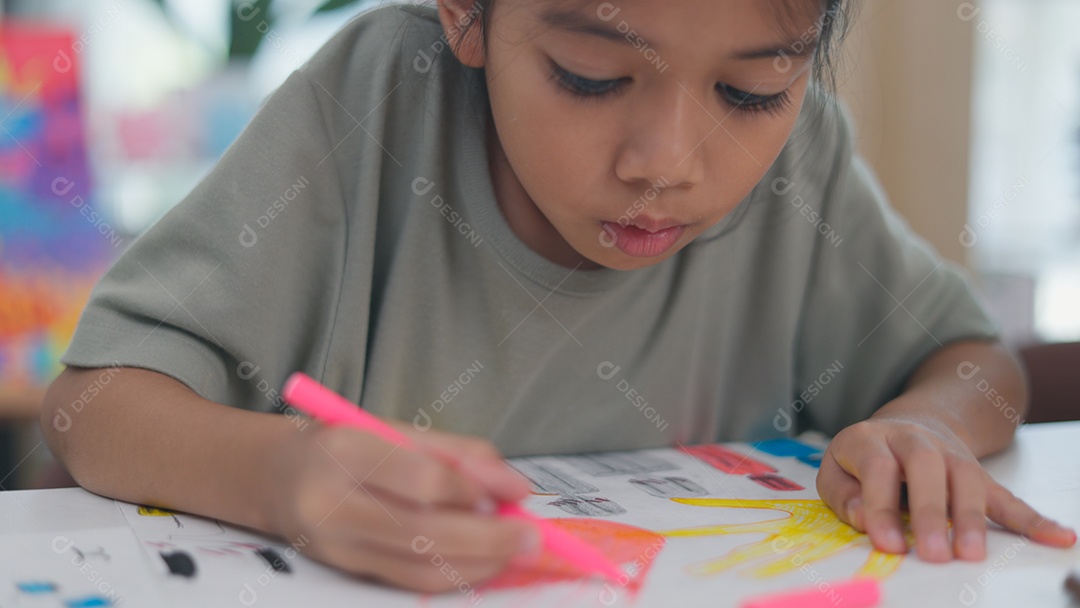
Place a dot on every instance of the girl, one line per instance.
(557, 226)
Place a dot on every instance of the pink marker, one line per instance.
(856, 593)
(331, 408)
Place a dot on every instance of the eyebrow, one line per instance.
(575, 22)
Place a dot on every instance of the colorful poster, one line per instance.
(53, 241)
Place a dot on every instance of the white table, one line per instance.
(1043, 467)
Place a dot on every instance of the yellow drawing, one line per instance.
(154, 512)
(811, 533)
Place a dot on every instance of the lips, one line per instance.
(643, 238)
(654, 225)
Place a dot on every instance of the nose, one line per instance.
(666, 142)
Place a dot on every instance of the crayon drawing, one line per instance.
(633, 547)
(735, 463)
(808, 533)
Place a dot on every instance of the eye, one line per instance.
(584, 87)
(749, 103)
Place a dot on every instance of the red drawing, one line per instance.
(728, 461)
(776, 482)
(634, 549)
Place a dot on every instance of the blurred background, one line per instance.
(112, 110)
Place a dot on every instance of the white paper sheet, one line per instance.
(705, 527)
(76, 569)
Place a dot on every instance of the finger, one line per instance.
(426, 570)
(500, 480)
(478, 459)
(410, 476)
(878, 473)
(967, 490)
(927, 495)
(376, 521)
(840, 491)
(1016, 515)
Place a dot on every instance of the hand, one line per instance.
(861, 475)
(419, 519)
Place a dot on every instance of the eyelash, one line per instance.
(750, 103)
(585, 88)
(588, 89)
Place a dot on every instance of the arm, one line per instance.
(975, 388)
(963, 402)
(353, 501)
(148, 439)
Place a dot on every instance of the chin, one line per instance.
(617, 260)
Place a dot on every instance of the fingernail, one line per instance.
(1069, 532)
(936, 545)
(895, 541)
(485, 506)
(971, 543)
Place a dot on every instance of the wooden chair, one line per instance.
(1054, 376)
(18, 409)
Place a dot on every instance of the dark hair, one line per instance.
(832, 21)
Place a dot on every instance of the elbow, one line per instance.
(55, 420)
(59, 418)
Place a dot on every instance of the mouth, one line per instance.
(642, 238)
(653, 226)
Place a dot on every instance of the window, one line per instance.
(1024, 222)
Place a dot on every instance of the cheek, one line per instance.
(739, 157)
(553, 154)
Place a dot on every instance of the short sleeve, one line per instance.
(878, 302)
(238, 283)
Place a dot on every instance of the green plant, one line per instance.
(248, 19)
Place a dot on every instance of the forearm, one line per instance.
(148, 439)
(976, 388)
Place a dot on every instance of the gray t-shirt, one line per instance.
(352, 233)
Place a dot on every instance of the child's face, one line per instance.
(633, 126)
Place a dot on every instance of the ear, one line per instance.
(462, 21)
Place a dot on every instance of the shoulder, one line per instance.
(819, 172)
(384, 44)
